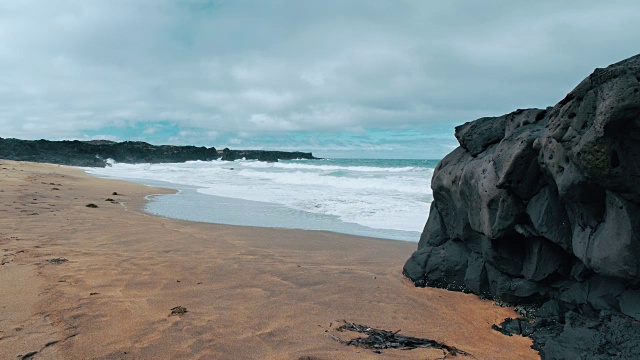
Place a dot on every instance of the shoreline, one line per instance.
(162, 207)
(100, 283)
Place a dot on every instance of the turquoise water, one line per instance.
(371, 197)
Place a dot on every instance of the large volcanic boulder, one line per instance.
(543, 205)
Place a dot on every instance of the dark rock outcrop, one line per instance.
(96, 153)
(264, 155)
(542, 206)
(607, 336)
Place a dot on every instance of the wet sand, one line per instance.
(99, 283)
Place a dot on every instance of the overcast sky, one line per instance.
(336, 77)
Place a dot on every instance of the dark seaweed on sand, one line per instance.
(178, 310)
(59, 260)
(378, 340)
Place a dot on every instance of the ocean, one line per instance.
(383, 198)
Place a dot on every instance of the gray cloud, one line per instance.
(256, 67)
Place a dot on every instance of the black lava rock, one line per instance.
(95, 153)
(542, 206)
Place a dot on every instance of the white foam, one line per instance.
(289, 166)
(385, 197)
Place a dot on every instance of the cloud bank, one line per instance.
(360, 75)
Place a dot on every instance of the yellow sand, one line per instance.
(250, 293)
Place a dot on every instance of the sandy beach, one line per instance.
(82, 282)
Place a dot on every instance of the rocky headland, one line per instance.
(541, 207)
(96, 152)
(264, 155)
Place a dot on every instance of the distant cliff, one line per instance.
(95, 153)
(542, 206)
(264, 155)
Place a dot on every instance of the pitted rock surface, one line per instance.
(542, 206)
